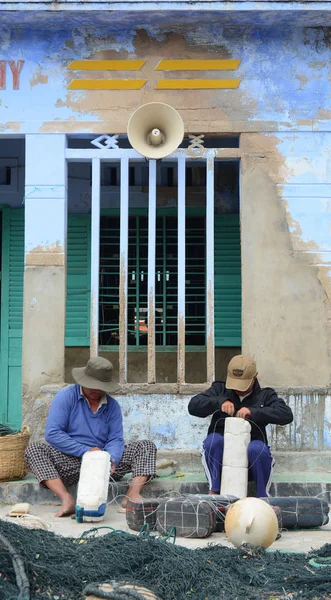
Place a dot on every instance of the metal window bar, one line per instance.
(181, 270)
(95, 258)
(124, 156)
(210, 333)
(151, 367)
(124, 243)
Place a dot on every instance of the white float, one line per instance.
(251, 521)
(93, 486)
(237, 436)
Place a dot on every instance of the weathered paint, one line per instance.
(95, 258)
(198, 65)
(264, 101)
(106, 65)
(44, 276)
(181, 280)
(285, 306)
(15, 68)
(285, 126)
(45, 193)
(151, 378)
(164, 419)
(46, 256)
(210, 334)
(124, 236)
(231, 13)
(102, 84)
(197, 84)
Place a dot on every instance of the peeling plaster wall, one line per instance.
(266, 100)
(45, 263)
(164, 419)
(286, 301)
(282, 110)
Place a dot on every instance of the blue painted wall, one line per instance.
(284, 73)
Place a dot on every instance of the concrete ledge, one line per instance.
(309, 462)
(28, 490)
(299, 484)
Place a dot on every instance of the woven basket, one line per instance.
(12, 461)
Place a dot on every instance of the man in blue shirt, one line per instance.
(84, 418)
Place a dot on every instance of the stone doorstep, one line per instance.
(299, 484)
(308, 461)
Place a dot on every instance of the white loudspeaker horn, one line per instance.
(155, 130)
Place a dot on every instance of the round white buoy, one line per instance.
(251, 521)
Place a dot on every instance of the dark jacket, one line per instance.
(264, 404)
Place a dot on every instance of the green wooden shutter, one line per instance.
(12, 316)
(227, 281)
(78, 281)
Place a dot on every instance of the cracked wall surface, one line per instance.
(165, 419)
(282, 111)
(265, 100)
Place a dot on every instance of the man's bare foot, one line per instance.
(67, 508)
(135, 498)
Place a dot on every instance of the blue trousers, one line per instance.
(260, 463)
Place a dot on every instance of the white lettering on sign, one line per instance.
(16, 68)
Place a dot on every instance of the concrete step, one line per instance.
(286, 462)
(286, 484)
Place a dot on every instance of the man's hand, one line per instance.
(113, 467)
(94, 449)
(228, 408)
(244, 413)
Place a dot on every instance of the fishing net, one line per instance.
(4, 430)
(39, 565)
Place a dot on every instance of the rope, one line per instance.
(119, 592)
(4, 430)
(321, 562)
(32, 522)
(18, 564)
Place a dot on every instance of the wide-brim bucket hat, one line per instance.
(96, 375)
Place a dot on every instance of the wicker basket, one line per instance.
(12, 461)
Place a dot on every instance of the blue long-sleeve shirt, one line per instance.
(74, 429)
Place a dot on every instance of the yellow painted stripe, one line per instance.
(107, 84)
(197, 65)
(106, 65)
(197, 84)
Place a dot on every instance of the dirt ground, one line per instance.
(294, 540)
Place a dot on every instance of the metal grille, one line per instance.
(172, 259)
(166, 281)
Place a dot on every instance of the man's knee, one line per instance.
(34, 450)
(255, 449)
(213, 440)
(145, 446)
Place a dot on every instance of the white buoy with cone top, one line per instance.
(251, 521)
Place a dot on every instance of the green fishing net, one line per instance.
(39, 565)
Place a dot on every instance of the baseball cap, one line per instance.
(241, 372)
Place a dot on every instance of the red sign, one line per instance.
(16, 68)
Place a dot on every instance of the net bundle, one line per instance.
(39, 565)
(4, 430)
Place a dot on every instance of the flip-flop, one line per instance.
(122, 510)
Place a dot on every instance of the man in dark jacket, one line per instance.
(240, 396)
